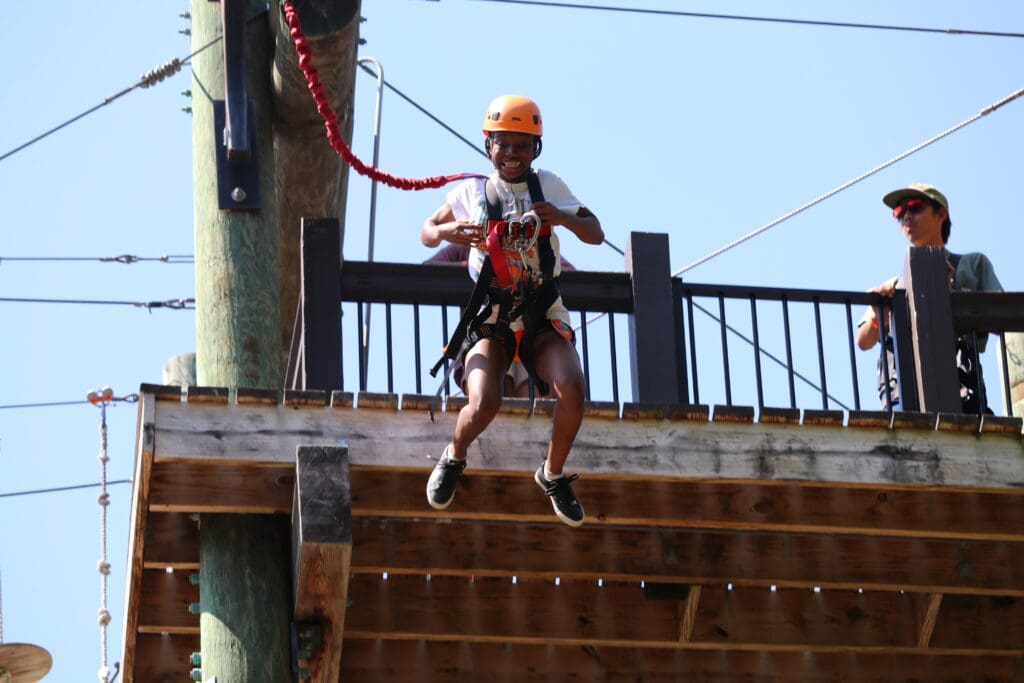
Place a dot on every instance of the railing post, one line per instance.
(319, 320)
(926, 280)
(658, 370)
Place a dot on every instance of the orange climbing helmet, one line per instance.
(513, 113)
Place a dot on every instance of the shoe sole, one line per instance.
(574, 523)
(439, 506)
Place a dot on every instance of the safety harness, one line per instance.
(495, 287)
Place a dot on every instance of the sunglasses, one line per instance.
(914, 206)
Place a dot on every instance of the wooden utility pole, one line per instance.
(313, 176)
(250, 109)
(243, 560)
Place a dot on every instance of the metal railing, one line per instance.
(725, 345)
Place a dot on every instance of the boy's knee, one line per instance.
(485, 405)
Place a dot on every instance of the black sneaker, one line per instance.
(563, 500)
(441, 485)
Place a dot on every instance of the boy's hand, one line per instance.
(460, 232)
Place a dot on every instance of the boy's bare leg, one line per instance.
(485, 367)
(558, 364)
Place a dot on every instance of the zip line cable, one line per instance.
(773, 20)
(449, 128)
(987, 110)
(148, 79)
(130, 398)
(127, 259)
(769, 355)
(61, 489)
(176, 304)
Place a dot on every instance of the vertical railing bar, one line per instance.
(821, 354)
(883, 338)
(391, 348)
(363, 351)
(341, 342)
(615, 365)
(757, 354)
(586, 351)
(789, 351)
(416, 346)
(1006, 374)
(725, 350)
(693, 349)
(444, 340)
(853, 355)
(976, 370)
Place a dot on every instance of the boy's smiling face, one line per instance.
(511, 154)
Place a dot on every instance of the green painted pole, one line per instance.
(245, 588)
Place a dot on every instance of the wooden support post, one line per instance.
(926, 280)
(321, 557)
(903, 347)
(319, 353)
(245, 575)
(314, 175)
(237, 312)
(658, 367)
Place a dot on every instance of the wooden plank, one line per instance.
(689, 449)
(321, 552)
(733, 414)
(144, 445)
(931, 613)
(172, 541)
(821, 418)
(790, 416)
(396, 661)
(164, 603)
(623, 500)
(690, 556)
(991, 621)
(164, 658)
(231, 487)
(688, 616)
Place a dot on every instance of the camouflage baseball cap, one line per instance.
(893, 199)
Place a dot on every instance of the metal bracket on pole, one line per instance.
(234, 120)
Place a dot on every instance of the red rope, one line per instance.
(331, 118)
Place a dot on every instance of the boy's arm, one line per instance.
(442, 227)
(583, 223)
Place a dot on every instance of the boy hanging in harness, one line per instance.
(516, 310)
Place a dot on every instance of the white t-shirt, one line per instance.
(468, 202)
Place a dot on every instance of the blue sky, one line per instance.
(705, 129)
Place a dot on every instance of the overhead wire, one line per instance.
(148, 79)
(774, 20)
(175, 304)
(126, 259)
(129, 398)
(899, 157)
(61, 489)
(426, 112)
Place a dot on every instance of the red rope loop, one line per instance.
(331, 118)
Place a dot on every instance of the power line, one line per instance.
(177, 304)
(151, 77)
(423, 110)
(987, 110)
(130, 398)
(773, 20)
(59, 489)
(121, 258)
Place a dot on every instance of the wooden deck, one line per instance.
(715, 549)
